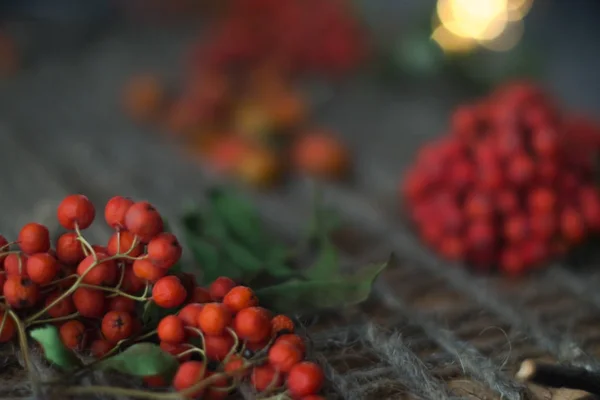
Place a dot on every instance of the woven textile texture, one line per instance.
(431, 331)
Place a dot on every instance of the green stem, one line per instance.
(86, 246)
(22, 341)
(50, 320)
(117, 292)
(145, 394)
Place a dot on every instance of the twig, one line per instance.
(559, 376)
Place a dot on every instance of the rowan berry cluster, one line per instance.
(511, 185)
(238, 108)
(95, 295)
(240, 338)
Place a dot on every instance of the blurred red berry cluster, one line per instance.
(305, 36)
(238, 106)
(512, 184)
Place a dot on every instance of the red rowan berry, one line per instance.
(2, 281)
(264, 377)
(76, 209)
(481, 235)
(189, 374)
(541, 200)
(219, 390)
(62, 308)
(131, 284)
(283, 356)
(115, 211)
(521, 169)
(164, 250)
(516, 228)
(452, 219)
(72, 334)
(8, 330)
(452, 248)
(89, 302)
(122, 242)
(236, 364)
(122, 303)
(478, 206)
(97, 272)
(176, 350)
(201, 295)
(252, 324)
(143, 220)
(462, 174)
(217, 347)
(214, 318)
(99, 249)
(100, 347)
(168, 292)
(572, 225)
(34, 238)
(189, 314)
(116, 326)
(534, 252)
(305, 378)
(507, 202)
(322, 155)
(240, 297)
(547, 172)
(42, 268)
(69, 250)
(543, 225)
(16, 264)
(144, 269)
(171, 329)
(20, 292)
(545, 142)
(220, 287)
(282, 323)
(313, 397)
(294, 340)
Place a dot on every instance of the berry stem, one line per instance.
(146, 335)
(86, 246)
(57, 281)
(190, 351)
(236, 342)
(22, 342)
(118, 292)
(121, 278)
(145, 394)
(50, 320)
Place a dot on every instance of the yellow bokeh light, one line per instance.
(479, 21)
(509, 39)
(518, 9)
(451, 43)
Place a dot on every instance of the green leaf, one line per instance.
(248, 265)
(240, 217)
(298, 296)
(54, 350)
(326, 265)
(141, 359)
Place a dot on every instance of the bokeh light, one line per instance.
(462, 25)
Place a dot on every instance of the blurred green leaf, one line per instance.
(300, 296)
